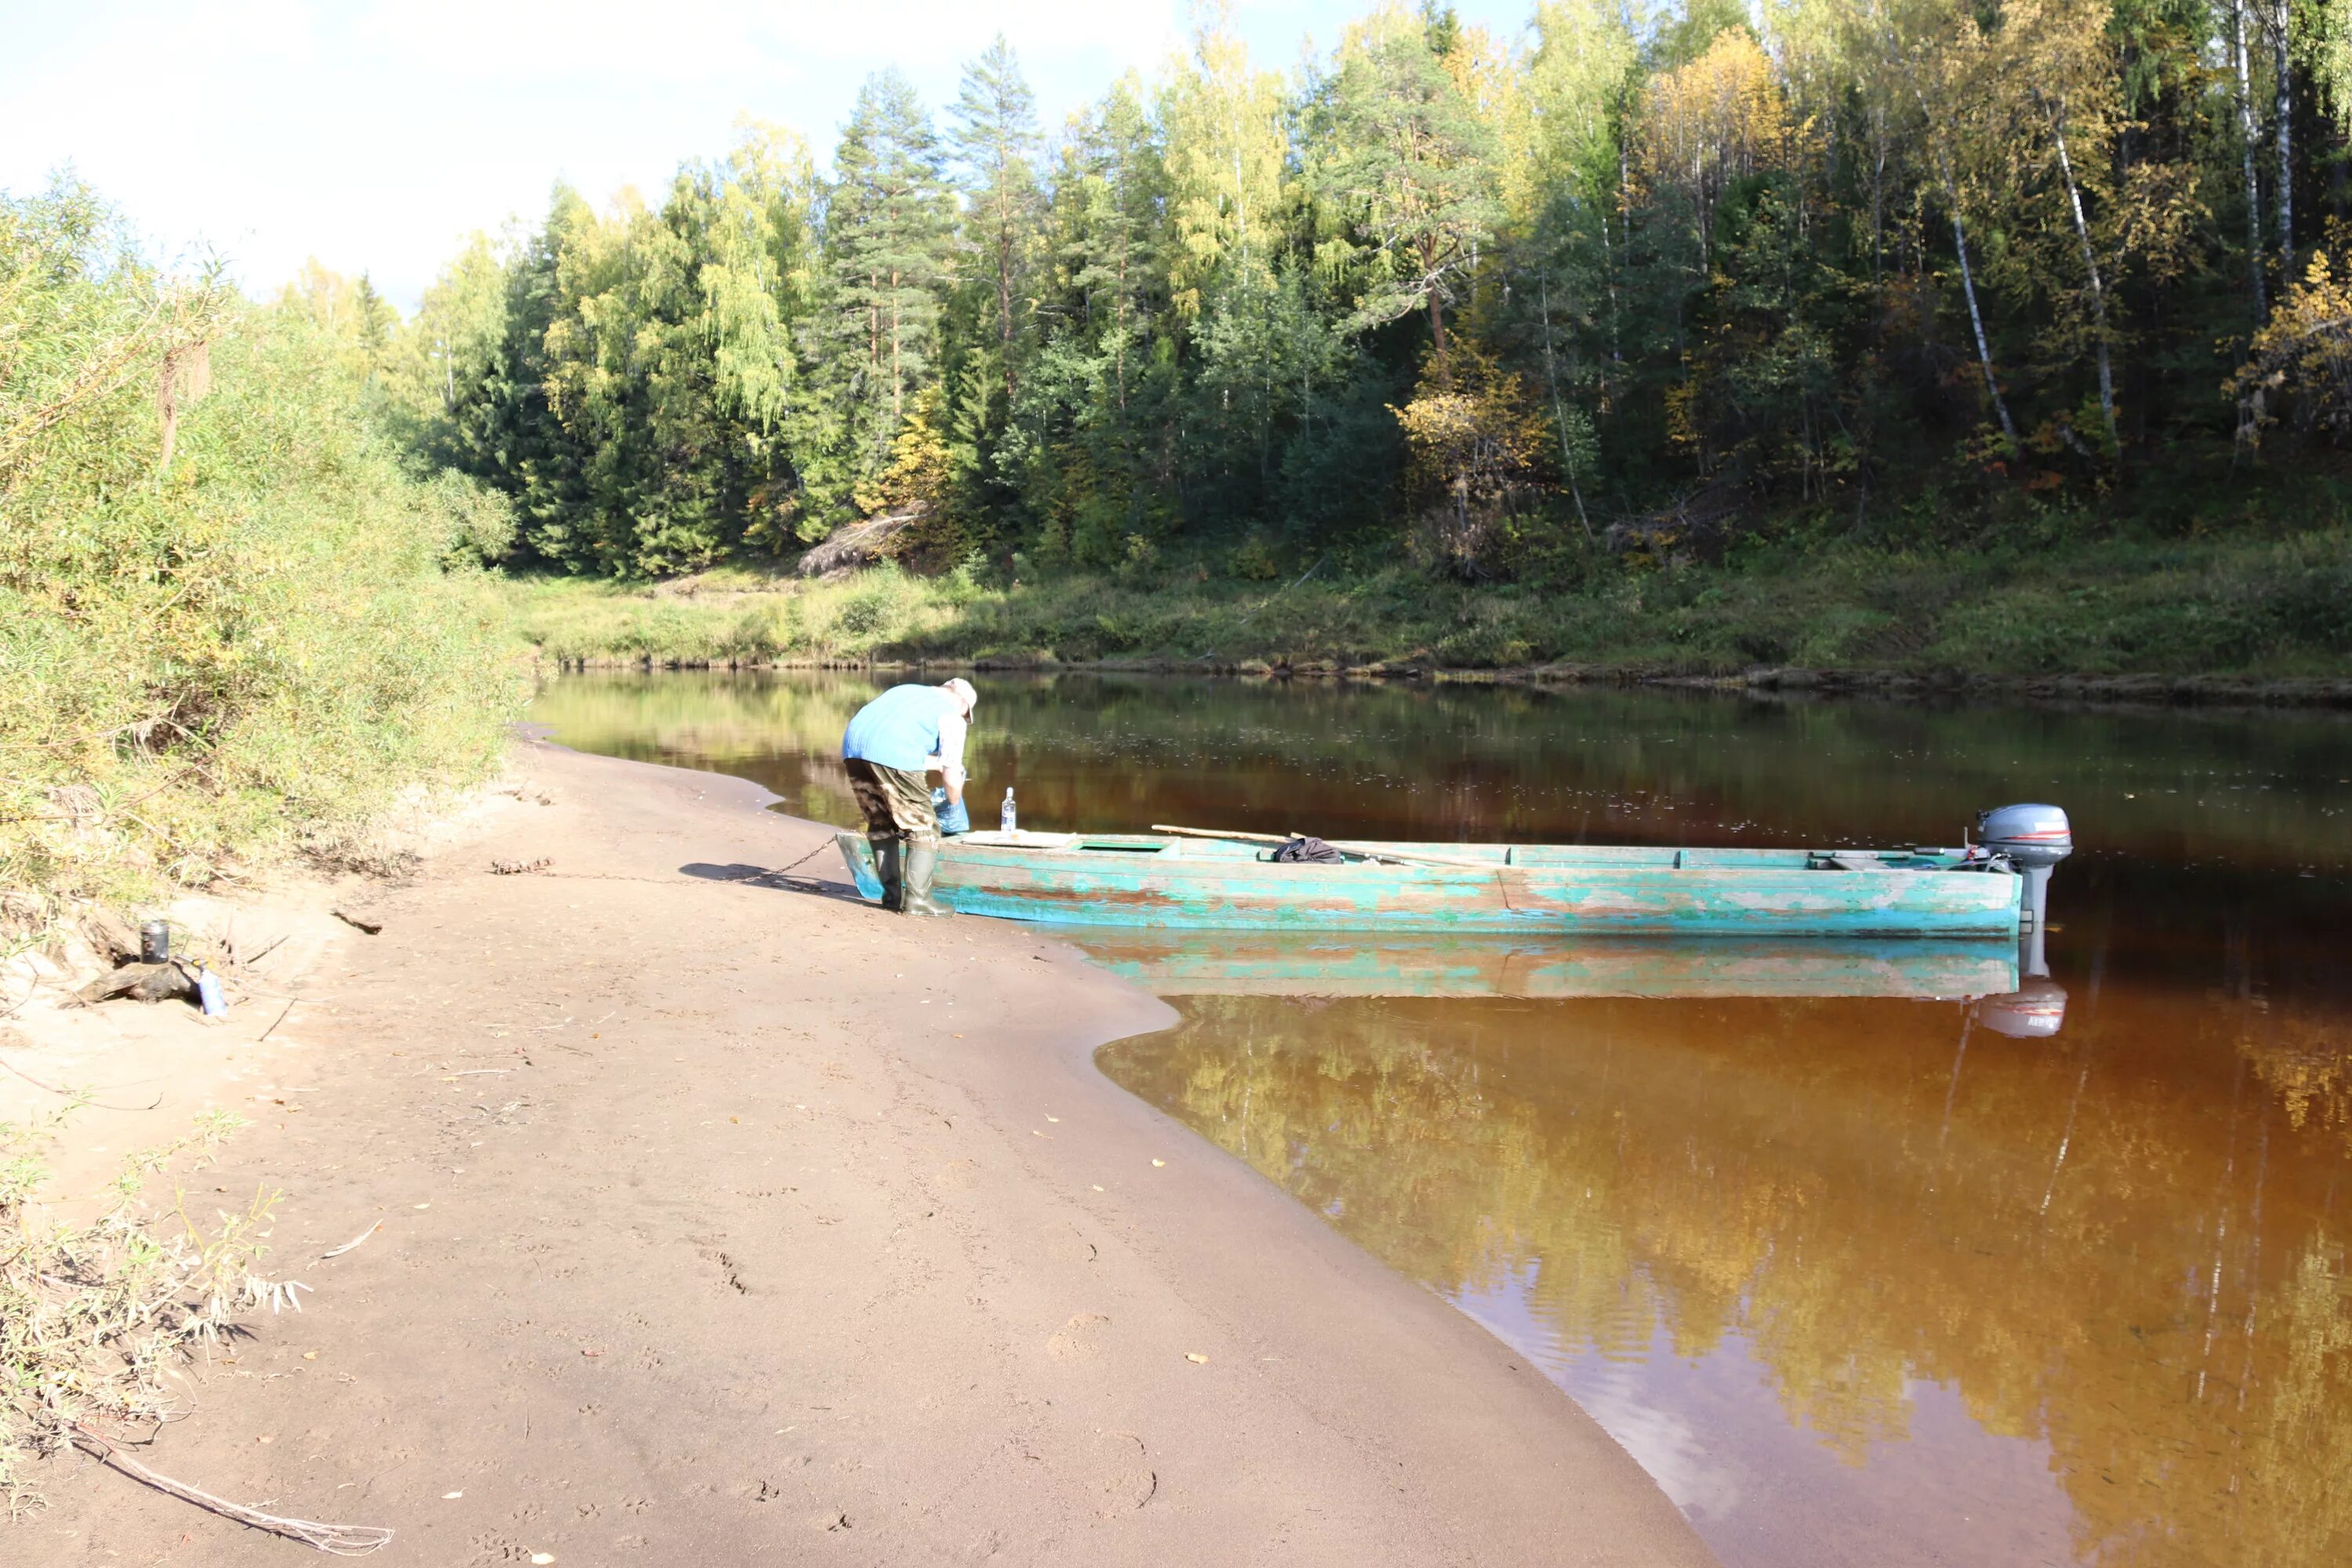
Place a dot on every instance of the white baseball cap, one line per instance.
(963, 693)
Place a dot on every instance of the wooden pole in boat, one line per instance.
(1414, 856)
(1352, 847)
(1213, 832)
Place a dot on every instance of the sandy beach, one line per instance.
(725, 1219)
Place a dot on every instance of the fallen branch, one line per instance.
(336, 1539)
(264, 953)
(71, 1093)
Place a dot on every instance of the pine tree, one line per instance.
(1409, 163)
(1112, 190)
(377, 319)
(524, 447)
(888, 233)
(996, 142)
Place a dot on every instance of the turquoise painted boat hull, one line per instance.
(1184, 884)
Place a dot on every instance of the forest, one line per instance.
(1660, 285)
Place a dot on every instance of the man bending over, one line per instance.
(890, 748)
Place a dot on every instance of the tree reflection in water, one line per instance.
(2119, 1244)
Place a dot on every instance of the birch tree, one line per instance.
(1221, 126)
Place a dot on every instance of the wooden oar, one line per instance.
(1370, 852)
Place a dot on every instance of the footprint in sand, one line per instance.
(1109, 1473)
(1074, 1340)
(1124, 1480)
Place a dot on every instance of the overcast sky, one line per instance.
(376, 135)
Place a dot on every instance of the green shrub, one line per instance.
(1253, 561)
(868, 614)
(226, 624)
(479, 522)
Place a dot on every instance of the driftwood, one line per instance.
(861, 544)
(146, 982)
(111, 935)
(1696, 526)
(338, 1251)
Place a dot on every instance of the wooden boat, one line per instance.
(1167, 881)
(1534, 968)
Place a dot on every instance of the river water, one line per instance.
(1857, 1276)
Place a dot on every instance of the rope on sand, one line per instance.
(781, 870)
(336, 1539)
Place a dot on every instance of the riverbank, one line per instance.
(2115, 690)
(2240, 619)
(724, 1218)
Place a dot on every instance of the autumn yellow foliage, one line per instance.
(1718, 118)
(1477, 441)
(2304, 353)
(918, 474)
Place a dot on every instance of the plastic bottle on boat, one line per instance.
(1007, 818)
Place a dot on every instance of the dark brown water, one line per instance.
(1858, 1279)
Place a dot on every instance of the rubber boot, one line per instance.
(886, 865)
(923, 866)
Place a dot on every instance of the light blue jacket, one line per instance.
(914, 728)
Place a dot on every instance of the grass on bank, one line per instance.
(2239, 605)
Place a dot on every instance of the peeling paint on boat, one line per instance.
(1190, 884)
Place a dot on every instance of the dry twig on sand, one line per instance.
(91, 1314)
(355, 1241)
(336, 1539)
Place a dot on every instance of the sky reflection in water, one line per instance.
(1857, 1279)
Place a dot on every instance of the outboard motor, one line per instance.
(2034, 838)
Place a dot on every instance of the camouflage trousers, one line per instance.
(897, 802)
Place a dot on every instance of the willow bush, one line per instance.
(231, 622)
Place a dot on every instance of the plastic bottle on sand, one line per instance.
(1006, 817)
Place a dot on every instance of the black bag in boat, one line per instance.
(1304, 851)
